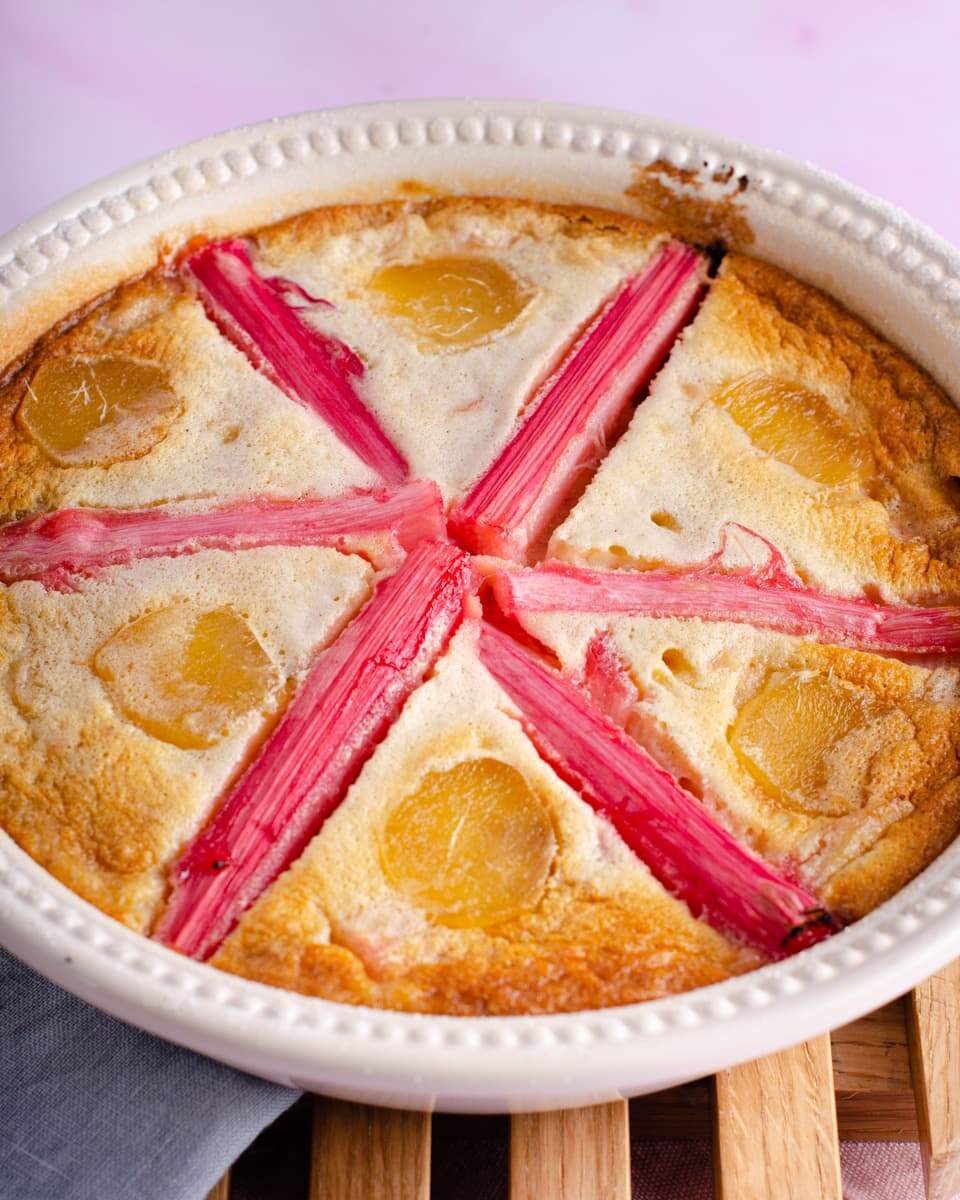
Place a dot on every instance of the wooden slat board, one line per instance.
(870, 1055)
(871, 1080)
(361, 1152)
(934, 1027)
(773, 1120)
(871, 1068)
(576, 1154)
(776, 1127)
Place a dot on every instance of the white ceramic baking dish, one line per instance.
(892, 271)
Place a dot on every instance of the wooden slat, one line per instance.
(361, 1152)
(876, 1117)
(221, 1189)
(678, 1114)
(775, 1132)
(577, 1154)
(870, 1055)
(685, 1114)
(871, 1078)
(933, 1011)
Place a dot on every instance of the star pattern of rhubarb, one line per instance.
(429, 585)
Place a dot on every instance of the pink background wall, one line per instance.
(869, 89)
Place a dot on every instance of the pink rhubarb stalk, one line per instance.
(253, 312)
(75, 541)
(769, 596)
(339, 715)
(606, 679)
(693, 856)
(580, 408)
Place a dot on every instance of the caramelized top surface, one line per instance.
(460, 873)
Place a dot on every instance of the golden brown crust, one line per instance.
(142, 319)
(574, 952)
(675, 197)
(439, 212)
(900, 855)
(912, 426)
(920, 771)
(95, 809)
(52, 804)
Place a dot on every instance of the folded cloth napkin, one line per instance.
(93, 1109)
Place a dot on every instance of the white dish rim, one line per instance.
(889, 267)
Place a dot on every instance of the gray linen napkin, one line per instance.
(93, 1109)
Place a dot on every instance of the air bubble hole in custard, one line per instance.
(799, 428)
(184, 675)
(471, 845)
(92, 413)
(455, 301)
(678, 664)
(790, 735)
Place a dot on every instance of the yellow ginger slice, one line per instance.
(454, 301)
(809, 739)
(471, 845)
(95, 412)
(799, 428)
(184, 675)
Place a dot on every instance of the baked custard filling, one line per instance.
(477, 606)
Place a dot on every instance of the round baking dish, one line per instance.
(886, 267)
